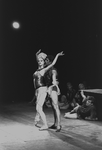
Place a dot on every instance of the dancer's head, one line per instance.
(91, 98)
(49, 60)
(41, 59)
(69, 86)
(81, 86)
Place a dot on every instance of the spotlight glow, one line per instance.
(16, 25)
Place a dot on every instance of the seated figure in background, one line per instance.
(85, 111)
(67, 100)
(78, 98)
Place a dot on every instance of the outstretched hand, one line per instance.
(60, 54)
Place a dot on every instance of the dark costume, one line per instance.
(39, 80)
(40, 86)
(48, 80)
(87, 110)
(70, 95)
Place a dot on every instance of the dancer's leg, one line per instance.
(54, 98)
(39, 107)
(55, 115)
(37, 119)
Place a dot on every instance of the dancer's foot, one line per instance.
(59, 128)
(36, 124)
(53, 127)
(45, 127)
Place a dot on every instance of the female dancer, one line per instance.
(53, 92)
(40, 85)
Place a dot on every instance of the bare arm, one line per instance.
(34, 82)
(54, 79)
(38, 54)
(34, 79)
(75, 109)
(82, 94)
(54, 61)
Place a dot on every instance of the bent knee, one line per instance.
(55, 105)
(38, 108)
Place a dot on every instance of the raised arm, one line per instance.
(54, 61)
(37, 53)
(82, 94)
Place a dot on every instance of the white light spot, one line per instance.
(16, 25)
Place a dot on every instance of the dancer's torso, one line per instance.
(48, 76)
(39, 79)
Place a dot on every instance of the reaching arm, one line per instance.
(54, 61)
(75, 109)
(82, 94)
(38, 54)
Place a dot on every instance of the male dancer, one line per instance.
(53, 92)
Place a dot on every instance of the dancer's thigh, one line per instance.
(42, 92)
(54, 97)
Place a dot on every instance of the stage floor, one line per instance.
(17, 131)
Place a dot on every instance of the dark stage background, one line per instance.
(54, 26)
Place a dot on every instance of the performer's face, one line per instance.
(47, 61)
(69, 86)
(88, 102)
(40, 62)
(81, 86)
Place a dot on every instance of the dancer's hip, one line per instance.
(53, 88)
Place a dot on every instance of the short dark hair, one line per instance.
(91, 98)
(50, 57)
